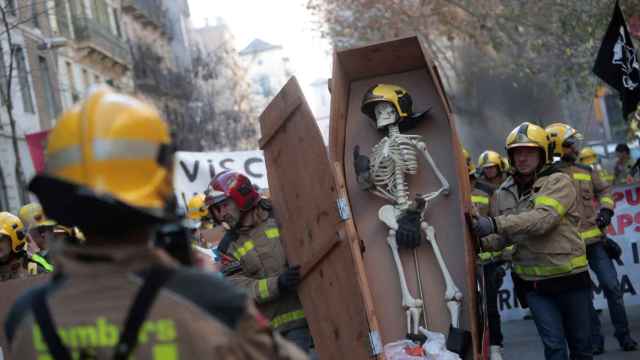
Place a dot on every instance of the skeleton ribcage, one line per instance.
(393, 158)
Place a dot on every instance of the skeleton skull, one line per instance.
(386, 114)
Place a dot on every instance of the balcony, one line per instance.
(147, 12)
(97, 42)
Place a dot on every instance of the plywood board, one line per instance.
(404, 62)
(304, 195)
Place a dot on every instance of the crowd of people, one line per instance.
(542, 211)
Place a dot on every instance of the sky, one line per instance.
(279, 22)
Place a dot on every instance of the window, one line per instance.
(23, 77)
(72, 82)
(11, 7)
(3, 74)
(86, 82)
(45, 77)
(265, 86)
(116, 20)
(34, 14)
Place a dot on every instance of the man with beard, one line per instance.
(260, 267)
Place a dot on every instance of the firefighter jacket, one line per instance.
(480, 194)
(193, 315)
(20, 266)
(592, 190)
(542, 224)
(262, 259)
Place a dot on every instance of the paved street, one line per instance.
(522, 341)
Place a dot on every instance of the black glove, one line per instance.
(483, 226)
(408, 233)
(604, 218)
(613, 250)
(361, 165)
(289, 280)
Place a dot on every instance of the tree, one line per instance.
(555, 40)
(547, 46)
(208, 106)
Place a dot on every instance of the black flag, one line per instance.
(617, 62)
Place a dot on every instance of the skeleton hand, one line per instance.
(408, 233)
(361, 166)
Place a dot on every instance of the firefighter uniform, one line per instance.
(549, 261)
(262, 260)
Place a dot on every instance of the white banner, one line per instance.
(194, 170)
(625, 230)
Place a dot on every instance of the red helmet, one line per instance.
(235, 186)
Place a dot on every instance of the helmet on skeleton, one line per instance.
(395, 95)
(235, 186)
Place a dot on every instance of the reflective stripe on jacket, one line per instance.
(542, 224)
(591, 191)
(262, 260)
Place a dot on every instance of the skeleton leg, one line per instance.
(413, 306)
(452, 294)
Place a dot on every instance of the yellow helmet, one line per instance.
(197, 209)
(490, 158)
(12, 227)
(588, 156)
(558, 134)
(505, 164)
(471, 167)
(33, 217)
(393, 94)
(529, 135)
(110, 154)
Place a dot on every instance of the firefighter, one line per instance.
(589, 157)
(108, 170)
(492, 263)
(253, 242)
(623, 171)
(41, 232)
(15, 262)
(535, 209)
(491, 167)
(198, 218)
(592, 224)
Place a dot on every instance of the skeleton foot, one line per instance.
(453, 295)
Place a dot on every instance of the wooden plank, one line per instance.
(339, 102)
(303, 191)
(282, 105)
(382, 58)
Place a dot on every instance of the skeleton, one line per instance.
(392, 159)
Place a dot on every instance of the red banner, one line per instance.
(37, 142)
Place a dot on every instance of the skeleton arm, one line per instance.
(422, 147)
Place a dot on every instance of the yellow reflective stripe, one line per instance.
(44, 263)
(582, 177)
(607, 200)
(480, 199)
(272, 233)
(551, 202)
(282, 319)
(591, 233)
(608, 178)
(488, 255)
(263, 288)
(244, 249)
(575, 263)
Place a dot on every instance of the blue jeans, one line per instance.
(493, 275)
(562, 320)
(607, 276)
